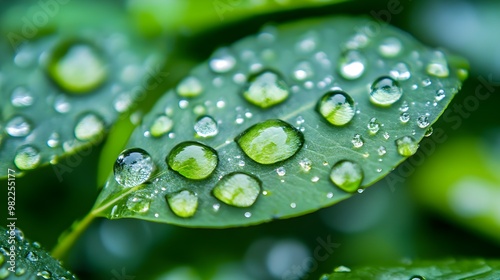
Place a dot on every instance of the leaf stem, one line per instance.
(69, 237)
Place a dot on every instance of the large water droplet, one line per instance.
(406, 146)
(21, 97)
(266, 89)
(222, 61)
(373, 126)
(77, 67)
(139, 201)
(400, 72)
(189, 87)
(27, 157)
(270, 141)
(206, 126)
(161, 125)
(18, 126)
(437, 65)
(385, 91)
(238, 189)
(193, 160)
(352, 64)
(183, 203)
(347, 175)
(423, 121)
(390, 47)
(89, 127)
(302, 71)
(133, 167)
(337, 107)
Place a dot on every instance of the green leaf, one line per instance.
(63, 90)
(420, 270)
(22, 259)
(256, 128)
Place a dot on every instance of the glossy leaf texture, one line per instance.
(421, 270)
(23, 259)
(62, 89)
(307, 114)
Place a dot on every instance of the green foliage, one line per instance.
(421, 270)
(396, 88)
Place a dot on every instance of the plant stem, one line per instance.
(68, 238)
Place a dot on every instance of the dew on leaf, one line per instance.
(315, 179)
(189, 87)
(21, 97)
(61, 104)
(406, 146)
(381, 150)
(337, 107)
(238, 189)
(305, 164)
(357, 141)
(347, 175)
(44, 274)
(423, 121)
(184, 203)
(404, 117)
(302, 71)
(352, 64)
(206, 126)
(248, 214)
(139, 201)
(222, 61)
(390, 47)
(265, 89)
(439, 95)
(133, 167)
(400, 72)
(437, 65)
(281, 171)
(373, 126)
(27, 158)
(89, 127)
(161, 125)
(193, 160)
(18, 126)
(32, 257)
(77, 67)
(270, 141)
(385, 91)
(429, 131)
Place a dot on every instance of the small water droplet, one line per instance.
(220, 104)
(342, 269)
(404, 117)
(20, 270)
(133, 167)
(265, 89)
(423, 121)
(206, 126)
(358, 40)
(385, 91)
(347, 175)
(77, 67)
(404, 107)
(89, 127)
(305, 164)
(337, 107)
(139, 201)
(270, 141)
(428, 132)
(406, 146)
(222, 61)
(248, 214)
(27, 157)
(439, 95)
(189, 87)
(386, 135)
(378, 170)
(238, 189)
(302, 71)
(193, 160)
(381, 150)
(400, 72)
(44, 274)
(21, 97)
(351, 64)
(31, 256)
(437, 65)
(293, 205)
(357, 141)
(216, 207)
(417, 277)
(161, 125)
(329, 195)
(183, 104)
(426, 82)
(185, 203)
(123, 102)
(281, 171)
(54, 140)
(373, 126)
(61, 104)
(315, 179)
(390, 47)
(18, 126)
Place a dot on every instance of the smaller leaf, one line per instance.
(421, 270)
(22, 259)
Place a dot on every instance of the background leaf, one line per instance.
(300, 184)
(31, 261)
(64, 89)
(418, 270)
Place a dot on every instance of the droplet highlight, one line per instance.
(351, 64)
(18, 126)
(238, 189)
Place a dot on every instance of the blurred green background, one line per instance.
(444, 201)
